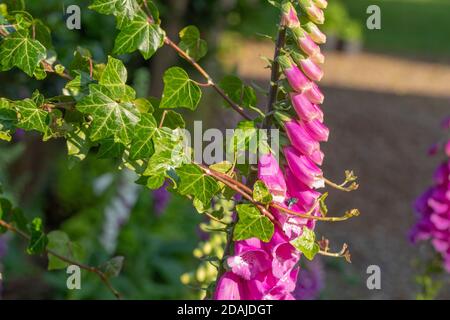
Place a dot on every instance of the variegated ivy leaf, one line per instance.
(252, 224)
(306, 243)
(110, 117)
(8, 118)
(170, 151)
(78, 145)
(20, 50)
(179, 90)
(139, 34)
(114, 77)
(142, 144)
(194, 182)
(31, 117)
(128, 8)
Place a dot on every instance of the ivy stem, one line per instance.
(49, 68)
(273, 90)
(94, 270)
(341, 187)
(211, 82)
(246, 192)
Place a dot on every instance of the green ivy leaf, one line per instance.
(110, 149)
(142, 144)
(173, 120)
(179, 90)
(38, 239)
(261, 193)
(306, 243)
(193, 181)
(237, 91)
(19, 50)
(60, 243)
(113, 267)
(155, 182)
(169, 153)
(139, 34)
(31, 117)
(192, 44)
(128, 8)
(252, 224)
(8, 119)
(110, 118)
(78, 145)
(114, 77)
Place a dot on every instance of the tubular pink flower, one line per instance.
(297, 80)
(314, 32)
(305, 196)
(318, 58)
(317, 130)
(249, 263)
(229, 287)
(305, 43)
(315, 14)
(270, 173)
(300, 138)
(322, 4)
(304, 108)
(289, 17)
(312, 71)
(317, 157)
(304, 169)
(314, 94)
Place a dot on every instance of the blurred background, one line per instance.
(386, 93)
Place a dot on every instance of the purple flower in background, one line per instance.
(161, 198)
(433, 209)
(311, 281)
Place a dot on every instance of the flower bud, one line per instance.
(314, 32)
(305, 43)
(304, 108)
(315, 14)
(297, 80)
(289, 17)
(311, 70)
(322, 4)
(304, 169)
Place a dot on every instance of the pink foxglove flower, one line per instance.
(270, 173)
(433, 209)
(315, 14)
(304, 108)
(322, 4)
(314, 32)
(300, 138)
(289, 17)
(249, 263)
(314, 94)
(317, 130)
(304, 169)
(229, 287)
(297, 80)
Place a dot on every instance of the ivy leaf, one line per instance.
(193, 181)
(110, 149)
(38, 239)
(237, 91)
(142, 144)
(261, 193)
(306, 243)
(173, 120)
(113, 267)
(110, 118)
(252, 224)
(192, 44)
(139, 34)
(31, 117)
(170, 151)
(155, 182)
(60, 243)
(8, 119)
(114, 78)
(78, 145)
(179, 90)
(128, 8)
(19, 50)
